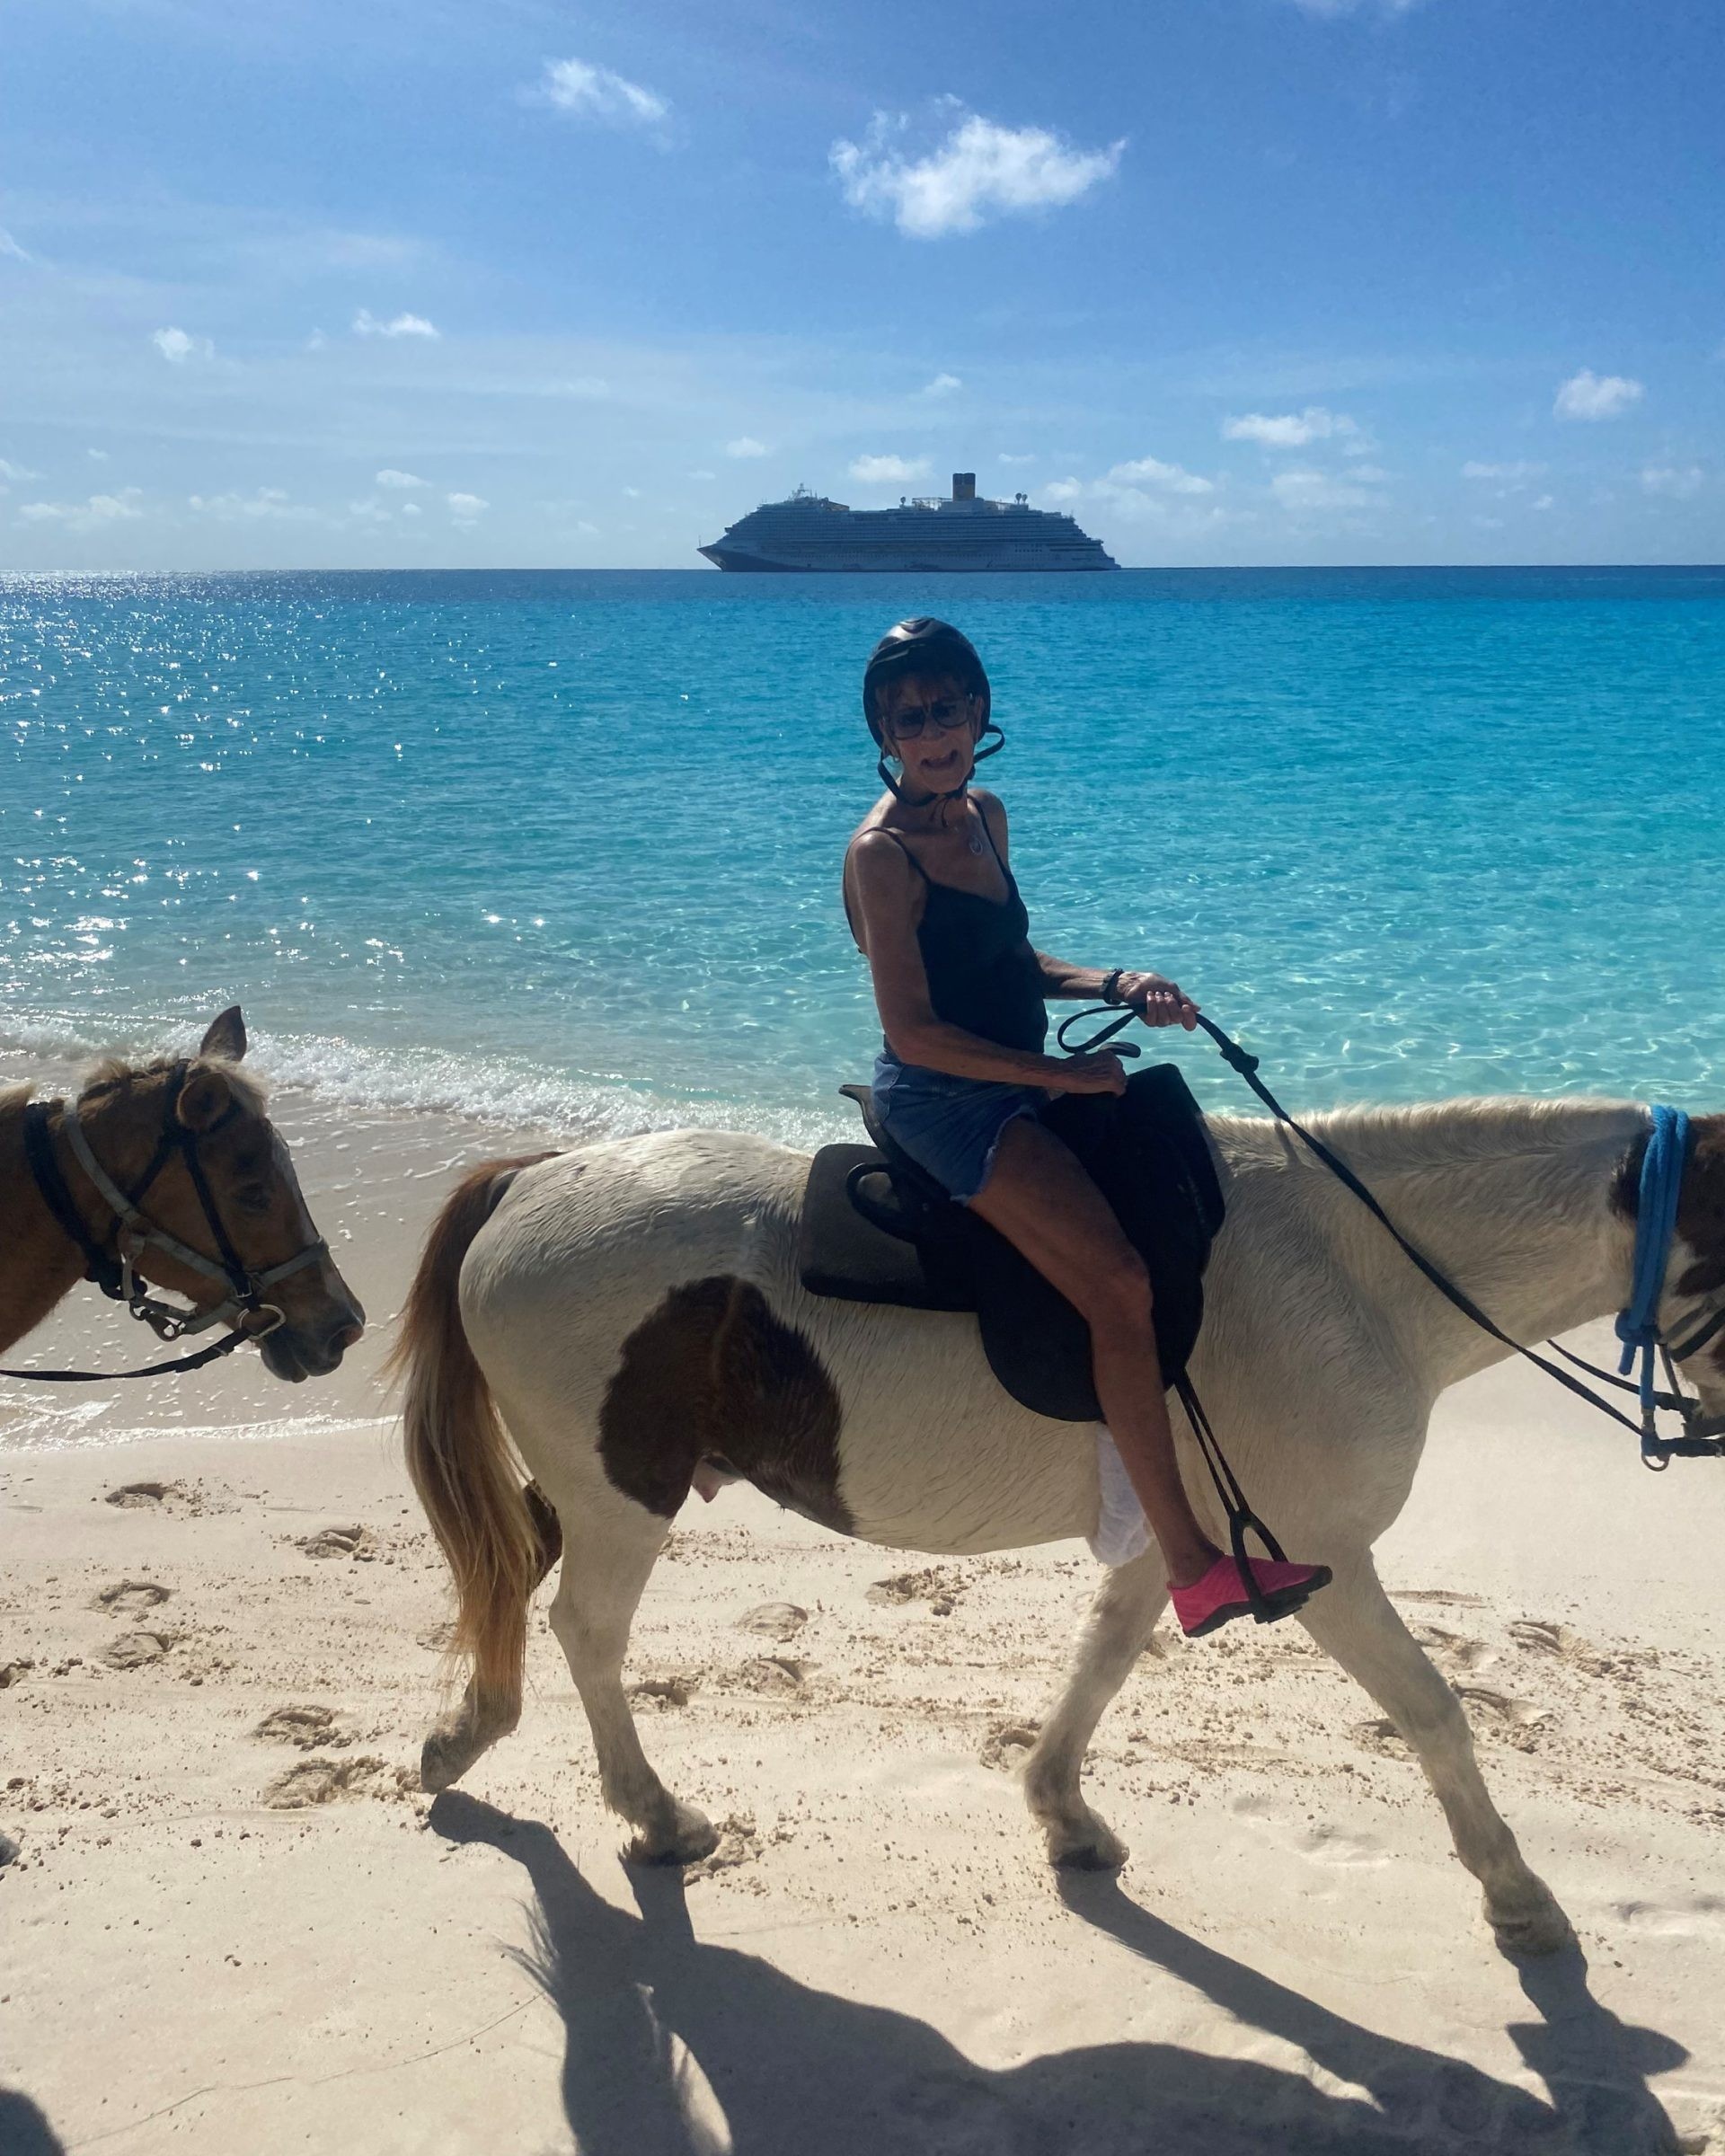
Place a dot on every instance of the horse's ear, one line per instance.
(226, 1039)
(204, 1099)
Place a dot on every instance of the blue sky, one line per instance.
(406, 283)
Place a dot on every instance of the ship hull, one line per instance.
(757, 565)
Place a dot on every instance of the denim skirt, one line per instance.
(950, 1126)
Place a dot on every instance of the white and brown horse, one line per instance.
(619, 1314)
(201, 1117)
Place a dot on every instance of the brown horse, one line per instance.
(222, 1221)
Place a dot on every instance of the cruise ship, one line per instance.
(932, 533)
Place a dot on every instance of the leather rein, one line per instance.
(115, 1270)
(1637, 1326)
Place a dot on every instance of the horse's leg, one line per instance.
(610, 1544)
(1355, 1620)
(1116, 1633)
(483, 1717)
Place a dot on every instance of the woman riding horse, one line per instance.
(961, 1079)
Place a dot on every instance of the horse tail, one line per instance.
(493, 1532)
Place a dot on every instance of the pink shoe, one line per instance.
(1220, 1595)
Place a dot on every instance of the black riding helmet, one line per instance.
(922, 645)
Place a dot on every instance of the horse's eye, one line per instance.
(253, 1197)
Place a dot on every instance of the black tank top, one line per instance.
(982, 973)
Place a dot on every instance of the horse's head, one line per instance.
(224, 1187)
(1695, 1277)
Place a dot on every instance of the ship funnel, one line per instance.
(964, 486)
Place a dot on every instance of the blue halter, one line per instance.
(1656, 1223)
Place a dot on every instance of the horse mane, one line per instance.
(248, 1089)
(1436, 1134)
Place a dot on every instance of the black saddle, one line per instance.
(876, 1228)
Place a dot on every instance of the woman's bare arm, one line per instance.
(884, 890)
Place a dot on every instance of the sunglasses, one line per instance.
(914, 720)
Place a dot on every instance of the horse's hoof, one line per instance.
(1537, 1925)
(1085, 1846)
(444, 1759)
(685, 1838)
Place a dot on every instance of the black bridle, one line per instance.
(115, 1270)
(1703, 1435)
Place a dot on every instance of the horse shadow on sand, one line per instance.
(673, 2048)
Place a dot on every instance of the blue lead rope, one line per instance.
(1656, 1223)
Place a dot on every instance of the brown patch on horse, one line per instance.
(712, 1374)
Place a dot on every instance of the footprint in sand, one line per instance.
(357, 1542)
(138, 1497)
(738, 1843)
(779, 1620)
(1517, 1714)
(126, 1596)
(304, 1725)
(774, 1673)
(436, 1637)
(663, 1691)
(1320, 1843)
(1692, 1916)
(1008, 1746)
(1445, 1595)
(940, 1590)
(136, 1650)
(323, 1780)
(1381, 1736)
(1454, 1648)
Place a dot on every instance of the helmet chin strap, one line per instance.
(978, 755)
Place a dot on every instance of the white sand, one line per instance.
(881, 1963)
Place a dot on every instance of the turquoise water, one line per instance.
(565, 847)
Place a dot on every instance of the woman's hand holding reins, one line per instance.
(1157, 1000)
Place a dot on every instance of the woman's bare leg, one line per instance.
(1041, 1200)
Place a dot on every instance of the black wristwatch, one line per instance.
(1112, 984)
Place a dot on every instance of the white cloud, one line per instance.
(268, 505)
(704, 475)
(942, 385)
(464, 508)
(1166, 479)
(881, 470)
(97, 456)
(1290, 429)
(9, 246)
(1544, 502)
(1007, 457)
(593, 92)
(410, 508)
(176, 347)
(587, 385)
(86, 516)
(1306, 488)
(1513, 475)
(367, 324)
(1062, 490)
(16, 474)
(316, 341)
(1678, 481)
(981, 169)
(1590, 396)
(746, 445)
(401, 480)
